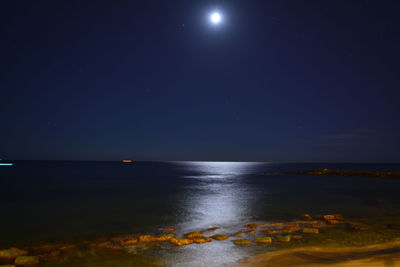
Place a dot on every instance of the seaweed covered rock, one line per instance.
(212, 228)
(180, 241)
(220, 237)
(250, 232)
(238, 234)
(242, 242)
(170, 229)
(193, 234)
(162, 238)
(12, 253)
(310, 231)
(202, 239)
(147, 238)
(283, 238)
(263, 239)
(26, 260)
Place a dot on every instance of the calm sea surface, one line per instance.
(43, 202)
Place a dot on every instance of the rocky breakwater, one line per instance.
(282, 233)
(377, 174)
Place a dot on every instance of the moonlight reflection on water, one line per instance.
(218, 196)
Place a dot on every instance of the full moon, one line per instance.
(215, 18)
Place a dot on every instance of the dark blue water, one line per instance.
(64, 201)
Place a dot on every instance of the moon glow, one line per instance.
(215, 17)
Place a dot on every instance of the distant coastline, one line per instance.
(377, 174)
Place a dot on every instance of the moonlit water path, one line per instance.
(216, 196)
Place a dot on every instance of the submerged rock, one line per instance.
(12, 253)
(250, 232)
(212, 228)
(193, 234)
(181, 241)
(220, 237)
(26, 260)
(242, 242)
(263, 239)
(310, 231)
(170, 229)
(283, 238)
(202, 239)
(239, 234)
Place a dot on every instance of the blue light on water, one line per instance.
(6, 164)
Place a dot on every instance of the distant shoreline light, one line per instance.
(6, 164)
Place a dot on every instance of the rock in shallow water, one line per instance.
(193, 234)
(201, 240)
(12, 253)
(162, 238)
(242, 242)
(283, 238)
(26, 260)
(220, 237)
(263, 239)
(181, 241)
(147, 238)
(126, 241)
(310, 231)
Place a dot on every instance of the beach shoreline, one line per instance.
(383, 254)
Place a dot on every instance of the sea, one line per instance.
(73, 202)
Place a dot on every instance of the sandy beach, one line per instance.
(386, 254)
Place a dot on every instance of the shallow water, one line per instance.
(45, 202)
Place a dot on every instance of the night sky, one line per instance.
(155, 80)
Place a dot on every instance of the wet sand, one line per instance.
(387, 254)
